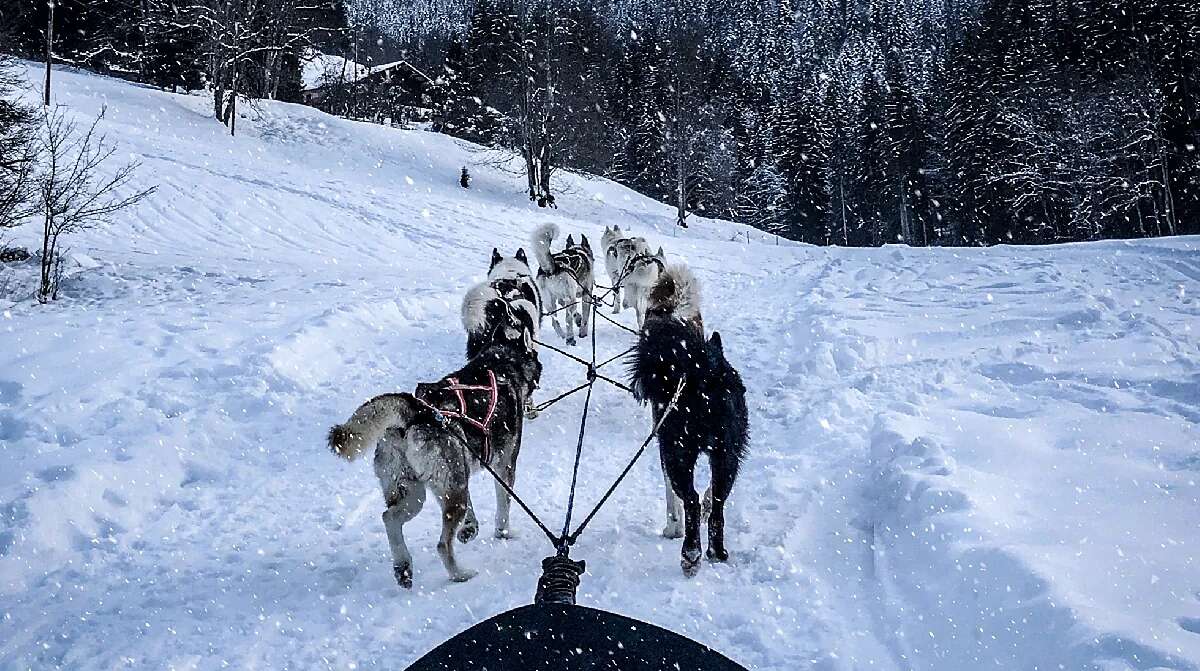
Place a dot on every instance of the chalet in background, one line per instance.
(393, 93)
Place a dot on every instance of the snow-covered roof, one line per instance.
(320, 69)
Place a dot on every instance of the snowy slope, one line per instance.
(961, 458)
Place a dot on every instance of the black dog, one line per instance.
(710, 415)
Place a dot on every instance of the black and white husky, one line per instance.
(710, 415)
(565, 279)
(435, 438)
(513, 278)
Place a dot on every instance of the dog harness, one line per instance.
(641, 260)
(572, 260)
(484, 426)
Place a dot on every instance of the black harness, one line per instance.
(573, 261)
(641, 260)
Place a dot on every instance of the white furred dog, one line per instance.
(632, 269)
(565, 279)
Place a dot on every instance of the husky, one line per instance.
(513, 278)
(435, 438)
(566, 280)
(710, 415)
(632, 269)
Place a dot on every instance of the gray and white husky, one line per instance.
(632, 269)
(566, 279)
(434, 438)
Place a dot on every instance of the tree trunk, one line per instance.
(233, 94)
(49, 50)
(842, 199)
(1168, 197)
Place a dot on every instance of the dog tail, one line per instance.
(678, 290)
(542, 237)
(474, 307)
(367, 425)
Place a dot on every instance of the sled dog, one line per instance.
(632, 269)
(710, 415)
(513, 278)
(565, 279)
(433, 439)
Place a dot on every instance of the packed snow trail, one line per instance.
(960, 458)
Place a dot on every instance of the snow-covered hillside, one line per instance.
(961, 458)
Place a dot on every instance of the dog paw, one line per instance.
(690, 562)
(674, 529)
(403, 575)
(468, 531)
(505, 534)
(463, 575)
(717, 554)
(571, 342)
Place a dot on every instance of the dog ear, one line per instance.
(521, 256)
(616, 228)
(584, 242)
(714, 344)
(570, 241)
(660, 253)
(496, 258)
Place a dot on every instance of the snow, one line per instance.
(961, 458)
(319, 69)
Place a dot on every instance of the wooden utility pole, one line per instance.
(49, 49)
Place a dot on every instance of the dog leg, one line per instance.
(407, 502)
(554, 321)
(470, 525)
(724, 472)
(674, 527)
(681, 471)
(572, 320)
(587, 313)
(617, 299)
(508, 471)
(454, 501)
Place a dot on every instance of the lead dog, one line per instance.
(632, 269)
(435, 438)
(710, 416)
(565, 279)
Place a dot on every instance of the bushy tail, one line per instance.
(542, 237)
(366, 426)
(678, 291)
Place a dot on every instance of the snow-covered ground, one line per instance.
(961, 458)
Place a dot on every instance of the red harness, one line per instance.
(483, 426)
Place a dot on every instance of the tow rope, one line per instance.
(560, 573)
